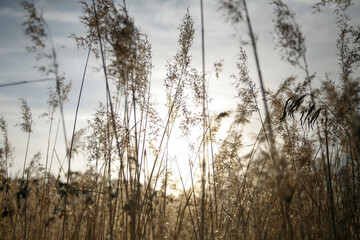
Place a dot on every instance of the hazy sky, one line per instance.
(158, 19)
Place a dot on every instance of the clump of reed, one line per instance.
(300, 180)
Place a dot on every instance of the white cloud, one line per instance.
(58, 15)
(62, 16)
(11, 12)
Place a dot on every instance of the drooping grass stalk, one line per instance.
(27, 82)
(108, 93)
(133, 220)
(76, 116)
(186, 36)
(342, 48)
(68, 179)
(43, 44)
(26, 127)
(269, 133)
(262, 85)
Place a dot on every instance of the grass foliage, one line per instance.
(301, 179)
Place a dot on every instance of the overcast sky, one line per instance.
(158, 19)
